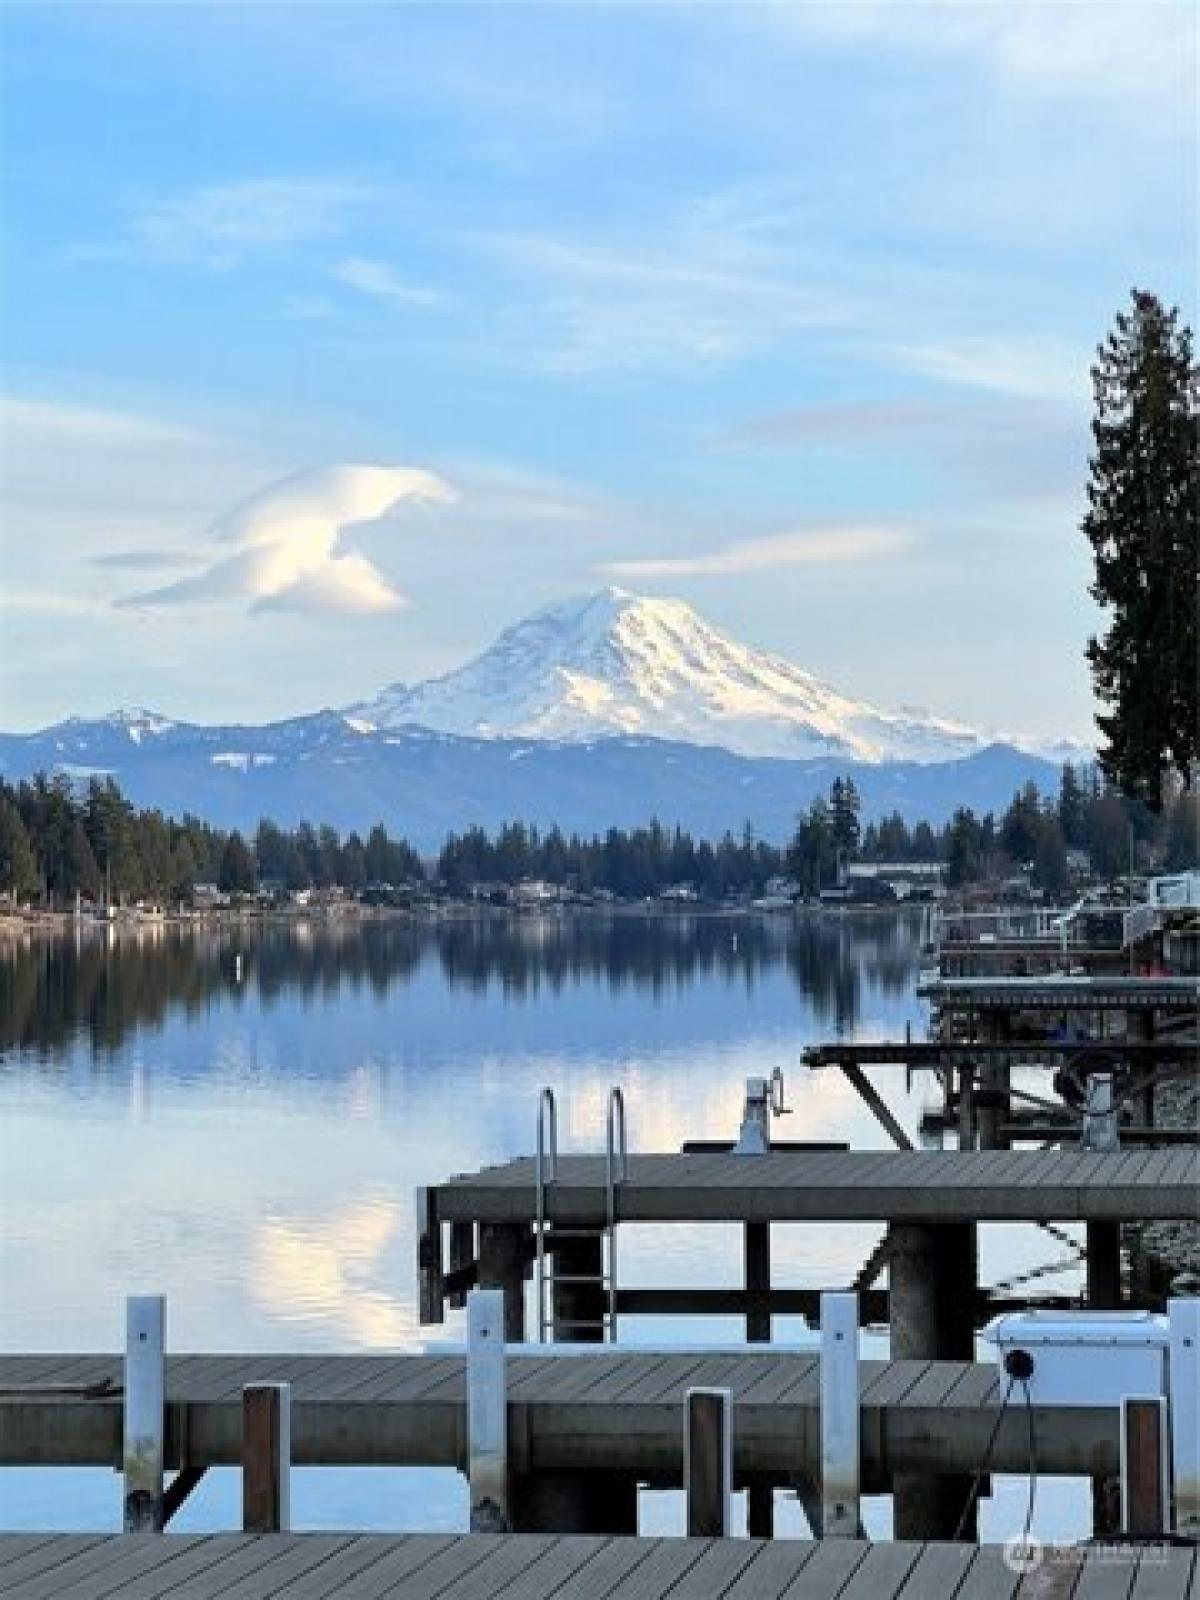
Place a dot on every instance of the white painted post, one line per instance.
(708, 1462)
(487, 1412)
(145, 1323)
(267, 1458)
(1183, 1380)
(1100, 1127)
(839, 1416)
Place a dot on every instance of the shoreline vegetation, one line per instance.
(66, 847)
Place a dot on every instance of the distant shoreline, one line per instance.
(14, 924)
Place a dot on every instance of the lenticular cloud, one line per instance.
(287, 543)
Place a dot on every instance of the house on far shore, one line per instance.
(894, 880)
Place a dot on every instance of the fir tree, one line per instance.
(1142, 523)
(18, 865)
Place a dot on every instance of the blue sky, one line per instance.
(785, 309)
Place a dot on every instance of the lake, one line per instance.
(238, 1116)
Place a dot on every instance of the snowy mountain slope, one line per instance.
(615, 663)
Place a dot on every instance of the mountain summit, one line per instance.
(615, 663)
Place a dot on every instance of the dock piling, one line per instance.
(708, 1462)
(267, 1457)
(1144, 1466)
(144, 1429)
(502, 1253)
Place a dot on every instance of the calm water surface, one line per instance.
(238, 1118)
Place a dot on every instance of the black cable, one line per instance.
(1032, 1463)
(973, 1496)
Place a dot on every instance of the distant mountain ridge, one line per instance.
(327, 768)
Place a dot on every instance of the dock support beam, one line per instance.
(932, 1277)
(145, 1329)
(487, 1412)
(267, 1458)
(502, 1266)
(1184, 1384)
(756, 1251)
(708, 1462)
(429, 1258)
(1104, 1265)
(839, 1417)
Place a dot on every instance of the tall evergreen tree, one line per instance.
(1143, 523)
(18, 866)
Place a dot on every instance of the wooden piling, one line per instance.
(143, 1448)
(462, 1254)
(502, 1252)
(429, 1258)
(1144, 1510)
(932, 1277)
(708, 1462)
(756, 1258)
(1103, 1265)
(266, 1457)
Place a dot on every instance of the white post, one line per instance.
(487, 1412)
(1100, 1128)
(839, 1416)
(1183, 1378)
(708, 1462)
(145, 1322)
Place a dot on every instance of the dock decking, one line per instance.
(619, 1410)
(322, 1566)
(862, 1186)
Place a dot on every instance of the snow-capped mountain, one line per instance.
(615, 663)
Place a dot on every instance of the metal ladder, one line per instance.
(547, 1234)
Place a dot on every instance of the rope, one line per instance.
(977, 1481)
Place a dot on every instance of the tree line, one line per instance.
(59, 843)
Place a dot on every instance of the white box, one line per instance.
(1084, 1358)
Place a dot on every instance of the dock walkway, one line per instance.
(617, 1410)
(322, 1566)
(820, 1186)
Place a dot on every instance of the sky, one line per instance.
(334, 339)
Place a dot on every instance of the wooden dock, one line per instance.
(340, 1566)
(618, 1411)
(854, 1186)
(1055, 992)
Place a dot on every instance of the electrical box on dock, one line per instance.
(1081, 1358)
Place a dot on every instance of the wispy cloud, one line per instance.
(1142, 51)
(1020, 366)
(142, 560)
(705, 288)
(803, 548)
(383, 282)
(290, 544)
(75, 424)
(219, 226)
